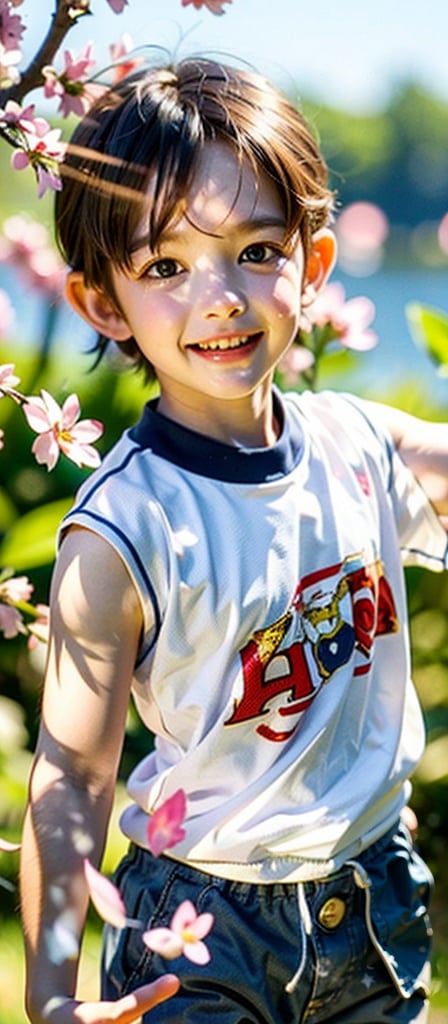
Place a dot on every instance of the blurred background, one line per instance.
(373, 79)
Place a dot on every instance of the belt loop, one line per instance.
(305, 930)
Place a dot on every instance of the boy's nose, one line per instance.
(223, 305)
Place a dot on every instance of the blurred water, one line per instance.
(394, 362)
(397, 358)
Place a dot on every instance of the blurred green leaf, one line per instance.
(434, 764)
(31, 540)
(8, 511)
(429, 330)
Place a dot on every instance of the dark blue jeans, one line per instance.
(353, 949)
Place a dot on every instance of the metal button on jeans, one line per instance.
(332, 912)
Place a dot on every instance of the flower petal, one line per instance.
(359, 340)
(105, 897)
(184, 917)
(53, 408)
(164, 827)
(202, 925)
(36, 415)
(197, 953)
(80, 454)
(87, 430)
(46, 450)
(163, 941)
(19, 160)
(70, 412)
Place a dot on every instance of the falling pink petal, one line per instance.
(105, 897)
(164, 827)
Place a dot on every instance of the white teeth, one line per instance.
(222, 344)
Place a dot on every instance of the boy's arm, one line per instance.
(95, 628)
(423, 446)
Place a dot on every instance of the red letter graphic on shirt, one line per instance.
(333, 619)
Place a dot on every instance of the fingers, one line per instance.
(124, 1011)
(131, 1007)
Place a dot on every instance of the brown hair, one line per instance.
(155, 123)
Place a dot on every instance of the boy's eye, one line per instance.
(259, 252)
(163, 268)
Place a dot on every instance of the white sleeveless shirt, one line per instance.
(274, 666)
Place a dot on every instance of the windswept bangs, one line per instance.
(153, 126)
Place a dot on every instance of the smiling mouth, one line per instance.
(227, 344)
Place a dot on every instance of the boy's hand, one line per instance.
(123, 1011)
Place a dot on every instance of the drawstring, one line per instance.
(362, 880)
(305, 930)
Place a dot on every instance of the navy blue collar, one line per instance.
(199, 454)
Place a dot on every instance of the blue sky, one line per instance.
(348, 52)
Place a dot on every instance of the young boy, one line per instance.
(236, 564)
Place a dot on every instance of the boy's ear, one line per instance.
(319, 265)
(95, 307)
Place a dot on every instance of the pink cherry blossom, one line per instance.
(295, 361)
(70, 86)
(26, 245)
(59, 431)
(215, 6)
(41, 149)
(350, 320)
(164, 826)
(8, 380)
(123, 65)
(11, 26)
(17, 117)
(11, 622)
(184, 936)
(15, 588)
(39, 629)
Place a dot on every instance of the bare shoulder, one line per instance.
(95, 628)
(92, 588)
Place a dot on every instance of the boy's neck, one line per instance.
(249, 422)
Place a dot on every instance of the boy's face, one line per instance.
(216, 307)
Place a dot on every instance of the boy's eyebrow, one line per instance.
(250, 224)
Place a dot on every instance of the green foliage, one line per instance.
(429, 329)
(397, 157)
(31, 539)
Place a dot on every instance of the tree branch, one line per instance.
(61, 22)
